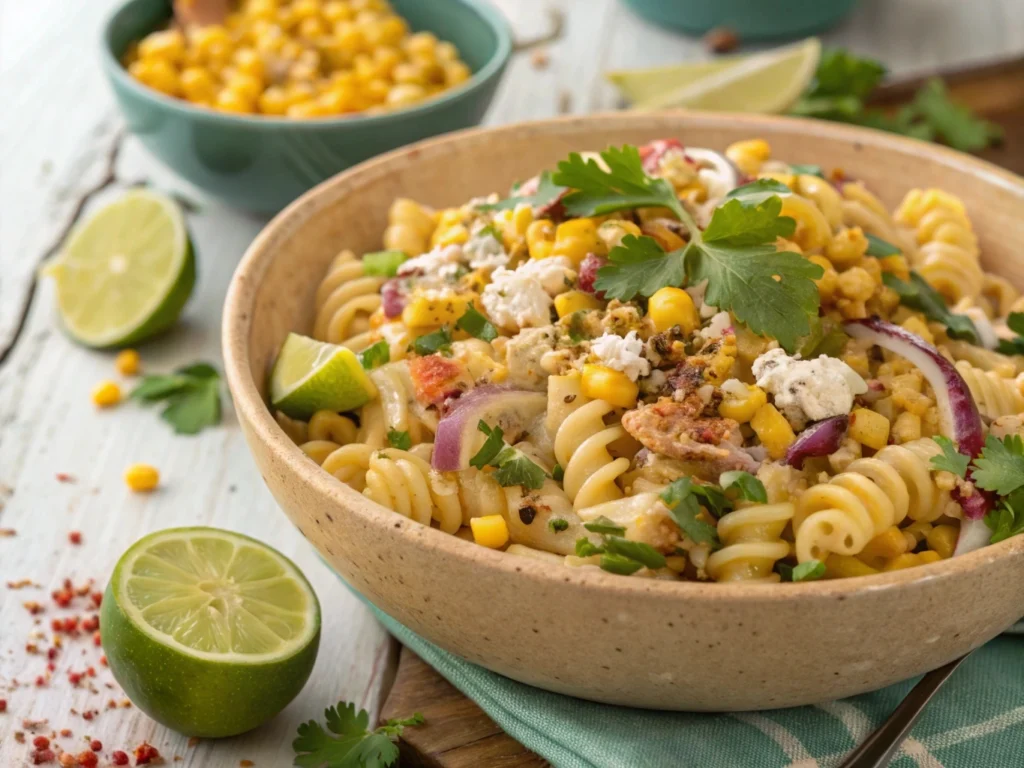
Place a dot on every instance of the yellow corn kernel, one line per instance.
(168, 44)
(847, 248)
(869, 428)
(741, 407)
(232, 101)
(404, 94)
(749, 155)
(576, 238)
(612, 231)
(457, 234)
(856, 284)
(247, 87)
(845, 566)
(669, 307)
(942, 539)
(142, 477)
(888, 544)
(274, 101)
(675, 563)
(197, 84)
(456, 72)
(436, 308)
(540, 238)
(490, 531)
(603, 383)
(906, 428)
(829, 281)
(773, 430)
(916, 324)
(912, 559)
(158, 74)
(105, 394)
(916, 532)
(574, 301)
(127, 362)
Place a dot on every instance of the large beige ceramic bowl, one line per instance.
(666, 645)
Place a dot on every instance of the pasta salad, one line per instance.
(669, 362)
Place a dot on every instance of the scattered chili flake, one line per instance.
(90, 714)
(90, 671)
(33, 725)
(103, 658)
(193, 741)
(75, 537)
(3, 705)
(721, 40)
(63, 597)
(42, 756)
(97, 598)
(540, 59)
(145, 754)
(19, 736)
(20, 584)
(97, 641)
(51, 653)
(33, 607)
(90, 623)
(50, 667)
(40, 742)
(67, 760)
(119, 758)
(88, 759)
(74, 678)
(31, 648)
(7, 533)
(246, 763)
(64, 477)
(96, 745)
(40, 681)
(66, 733)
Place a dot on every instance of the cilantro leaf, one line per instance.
(587, 548)
(952, 122)
(841, 73)
(491, 447)
(438, 341)
(375, 355)
(750, 487)
(547, 193)
(1014, 346)
(684, 508)
(352, 745)
(758, 191)
(1007, 518)
(513, 466)
(557, 473)
(880, 248)
(807, 170)
(826, 338)
(476, 325)
(400, 440)
(620, 564)
(603, 525)
(808, 571)
(642, 553)
(577, 328)
(639, 266)
(917, 294)
(383, 263)
(596, 191)
(951, 460)
(1000, 467)
(557, 525)
(749, 220)
(191, 395)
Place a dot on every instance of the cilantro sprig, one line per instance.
(352, 744)
(1014, 346)
(547, 192)
(513, 466)
(436, 341)
(772, 292)
(476, 325)
(810, 570)
(191, 396)
(375, 355)
(684, 498)
(917, 294)
(748, 486)
(618, 554)
(950, 460)
(879, 248)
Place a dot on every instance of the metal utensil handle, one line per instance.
(878, 749)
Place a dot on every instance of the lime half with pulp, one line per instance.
(311, 376)
(126, 272)
(209, 632)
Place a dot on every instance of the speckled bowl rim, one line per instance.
(237, 326)
(491, 69)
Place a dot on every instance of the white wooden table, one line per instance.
(57, 132)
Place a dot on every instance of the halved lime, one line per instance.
(639, 85)
(767, 82)
(311, 376)
(209, 632)
(125, 273)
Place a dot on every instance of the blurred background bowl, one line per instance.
(750, 19)
(263, 163)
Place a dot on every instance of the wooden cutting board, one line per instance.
(457, 733)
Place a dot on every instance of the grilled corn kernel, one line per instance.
(942, 539)
(490, 531)
(911, 559)
(829, 280)
(845, 566)
(602, 383)
(127, 362)
(749, 155)
(889, 543)
(105, 394)
(158, 74)
(847, 248)
(869, 428)
(540, 238)
(612, 231)
(575, 239)
(741, 406)
(429, 309)
(669, 307)
(573, 301)
(906, 428)
(773, 430)
(142, 477)
(168, 44)
(197, 84)
(232, 101)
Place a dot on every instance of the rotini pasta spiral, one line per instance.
(751, 543)
(581, 448)
(996, 396)
(402, 481)
(344, 302)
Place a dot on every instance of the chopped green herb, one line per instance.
(808, 571)
(383, 263)
(749, 487)
(400, 440)
(352, 745)
(586, 548)
(557, 473)
(952, 122)
(684, 508)
(826, 338)
(577, 331)
(547, 192)
(620, 564)
(476, 325)
(807, 170)
(642, 553)
(490, 231)
(557, 525)
(375, 355)
(917, 294)
(880, 248)
(191, 394)
(491, 448)
(950, 460)
(1014, 346)
(603, 525)
(513, 466)
(438, 341)
(1007, 518)
(1000, 467)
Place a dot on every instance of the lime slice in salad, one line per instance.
(209, 632)
(311, 376)
(767, 82)
(125, 273)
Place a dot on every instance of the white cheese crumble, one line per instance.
(431, 262)
(717, 327)
(555, 273)
(819, 389)
(622, 354)
(516, 300)
(485, 252)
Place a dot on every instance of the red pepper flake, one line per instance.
(66, 733)
(67, 760)
(40, 742)
(33, 607)
(40, 681)
(19, 736)
(103, 659)
(145, 754)
(193, 741)
(96, 745)
(64, 477)
(97, 598)
(7, 533)
(119, 758)
(57, 625)
(21, 584)
(3, 705)
(71, 624)
(90, 623)
(75, 537)
(52, 653)
(63, 597)
(97, 641)
(90, 671)
(246, 763)
(74, 678)
(31, 648)
(42, 757)
(90, 714)
(88, 759)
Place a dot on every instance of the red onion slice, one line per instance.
(652, 152)
(819, 439)
(392, 298)
(588, 273)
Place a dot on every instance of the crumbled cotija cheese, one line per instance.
(431, 262)
(485, 251)
(516, 300)
(555, 273)
(622, 353)
(819, 388)
(717, 327)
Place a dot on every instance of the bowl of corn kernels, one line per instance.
(257, 101)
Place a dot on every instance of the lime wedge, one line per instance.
(311, 376)
(767, 82)
(126, 272)
(209, 632)
(638, 85)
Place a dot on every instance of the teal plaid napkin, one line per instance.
(974, 722)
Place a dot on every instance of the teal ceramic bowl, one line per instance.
(750, 19)
(262, 163)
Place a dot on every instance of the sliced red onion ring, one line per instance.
(652, 152)
(724, 170)
(819, 439)
(392, 298)
(588, 273)
(458, 438)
